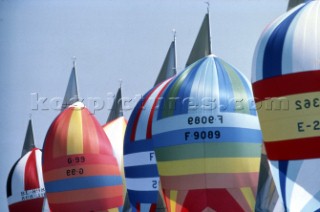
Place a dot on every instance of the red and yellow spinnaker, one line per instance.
(80, 171)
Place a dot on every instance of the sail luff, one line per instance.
(71, 96)
(169, 66)
(29, 140)
(202, 45)
(209, 33)
(116, 109)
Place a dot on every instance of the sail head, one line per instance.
(202, 45)
(29, 140)
(169, 65)
(71, 96)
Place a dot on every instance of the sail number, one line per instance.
(307, 103)
(302, 126)
(205, 119)
(73, 172)
(77, 159)
(202, 135)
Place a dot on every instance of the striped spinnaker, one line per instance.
(207, 139)
(25, 187)
(286, 86)
(141, 171)
(80, 171)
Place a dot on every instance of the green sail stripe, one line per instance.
(217, 150)
(168, 108)
(238, 88)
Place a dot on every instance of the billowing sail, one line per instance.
(71, 96)
(169, 65)
(25, 188)
(207, 139)
(141, 172)
(115, 129)
(286, 87)
(116, 126)
(29, 140)
(202, 45)
(293, 3)
(79, 169)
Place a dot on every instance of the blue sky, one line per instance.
(112, 40)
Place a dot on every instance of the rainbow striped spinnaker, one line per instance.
(286, 86)
(79, 169)
(207, 139)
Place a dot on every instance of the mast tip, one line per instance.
(120, 82)
(208, 7)
(174, 34)
(74, 61)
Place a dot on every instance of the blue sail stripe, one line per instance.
(272, 59)
(227, 134)
(138, 146)
(186, 87)
(225, 89)
(143, 171)
(142, 196)
(82, 183)
(283, 167)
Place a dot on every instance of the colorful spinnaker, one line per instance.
(142, 177)
(115, 129)
(25, 188)
(286, 87)
(71, 96)
(207, 139)
(79, 169)
(141, 172)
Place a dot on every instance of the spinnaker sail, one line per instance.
(141, 172)
(115, 129)
(207, 139)
(142, 177)
(25, 187)
(79, 169)
(285, 83)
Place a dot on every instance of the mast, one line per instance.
(29, 139)
(202, 45)
(169, 66)
(209, 29)
(71, 96)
